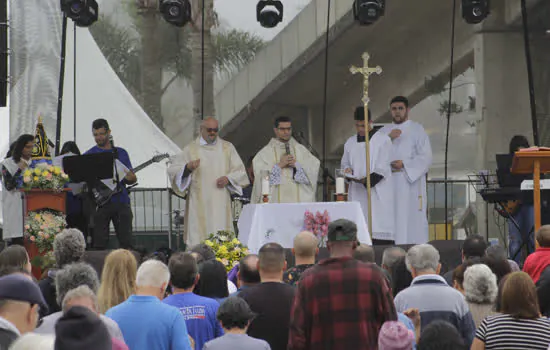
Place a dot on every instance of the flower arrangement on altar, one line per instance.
(318, 224)
(42, 227)
(43, 176)
(229, 250)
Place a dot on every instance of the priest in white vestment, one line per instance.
(208, 170)
(292, 169)
(12, 203)
(411, 161)
(354, 165)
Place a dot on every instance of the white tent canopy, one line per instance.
(99, 92)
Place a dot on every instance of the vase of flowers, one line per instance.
(229, 250)
(42, 227)
(317, 224)
(43, 176)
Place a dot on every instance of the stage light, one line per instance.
(366, 12)
(269, 13)
(176, 12)
(475, 11)
(83, 12)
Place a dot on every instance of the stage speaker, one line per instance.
(450, 253)
(3, 52)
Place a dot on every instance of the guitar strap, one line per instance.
(115, 153)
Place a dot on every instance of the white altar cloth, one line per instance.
(273, 222)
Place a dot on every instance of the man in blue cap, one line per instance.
(20, 302)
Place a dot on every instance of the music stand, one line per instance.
(89, 168)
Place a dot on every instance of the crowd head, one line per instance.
(68, 247)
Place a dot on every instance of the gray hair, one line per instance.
(75, 275)
(422, 258)
(391, 255)
(68, 247)
(32, 341)
(480, 284)
(79, 293)
(152, 273)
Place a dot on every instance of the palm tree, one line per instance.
(167, 48)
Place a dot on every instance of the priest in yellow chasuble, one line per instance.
(208, 170)
(292, 169)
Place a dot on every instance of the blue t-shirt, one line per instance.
(200, 316)
(148, 324)
(122, 196)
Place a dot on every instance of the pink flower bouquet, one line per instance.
(318, 224)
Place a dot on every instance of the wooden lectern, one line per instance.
(533, 161)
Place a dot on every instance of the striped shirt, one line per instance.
(507, 333)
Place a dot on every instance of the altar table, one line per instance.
(280, 223)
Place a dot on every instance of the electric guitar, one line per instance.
(103, 194)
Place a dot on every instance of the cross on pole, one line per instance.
(366, 72)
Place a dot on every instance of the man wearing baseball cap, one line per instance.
(341, 302)
(20, 302)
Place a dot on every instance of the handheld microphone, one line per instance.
(287, 148)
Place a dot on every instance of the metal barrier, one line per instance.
(460, 214)
(159, 212)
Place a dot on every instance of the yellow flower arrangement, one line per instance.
(44, 176)
(229, 250)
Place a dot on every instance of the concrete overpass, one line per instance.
(411, 43)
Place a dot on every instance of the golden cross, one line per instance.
(366, 72)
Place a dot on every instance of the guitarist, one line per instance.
(522, 211)
(117, 209)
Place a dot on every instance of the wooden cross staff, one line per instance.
(366, 71)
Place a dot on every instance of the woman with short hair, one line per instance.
(520, 326)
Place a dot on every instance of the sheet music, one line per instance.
(121, 169)
(353, 178)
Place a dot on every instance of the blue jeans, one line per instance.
(526, 220)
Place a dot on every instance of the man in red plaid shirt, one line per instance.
(340, 303)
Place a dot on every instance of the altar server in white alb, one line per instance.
(354, 165)
(292, 169)
(208, 170)
(411, 160)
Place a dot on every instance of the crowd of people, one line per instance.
(189, 301)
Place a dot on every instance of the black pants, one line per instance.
(121, 215)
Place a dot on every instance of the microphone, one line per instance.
(287, 148)
(112, 142)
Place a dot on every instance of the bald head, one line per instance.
(305, 245)
(209, 129)
(364, 253)
(543, 236)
